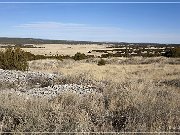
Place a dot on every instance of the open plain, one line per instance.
(77, 67)
(64, 49)
(126, 95)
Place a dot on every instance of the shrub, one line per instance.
(107, 55)
(173, 52)
(13, 59)
(101, 62)
(79, 56)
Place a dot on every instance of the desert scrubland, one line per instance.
(125, 95)
(63, 49)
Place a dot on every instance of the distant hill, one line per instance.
(6, 40)
(20, 41)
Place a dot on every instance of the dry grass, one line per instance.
(63, 49)
(133, 97)
(114, 71)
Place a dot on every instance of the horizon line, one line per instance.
(88, 2)
(146, 42)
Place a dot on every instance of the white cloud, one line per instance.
(70, 31)
(48, 25)
(74, 31)
(68, 27)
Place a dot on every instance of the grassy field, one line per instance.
(103, 50)
(63, 49)
(138, 96)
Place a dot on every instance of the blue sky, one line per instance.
(96, 22)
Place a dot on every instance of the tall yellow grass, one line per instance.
(131, 98)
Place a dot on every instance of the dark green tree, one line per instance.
(79, 56)
(13, 59)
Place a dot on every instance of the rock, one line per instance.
(38, 84)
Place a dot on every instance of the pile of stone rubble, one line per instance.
(24, 78)
(38, 84)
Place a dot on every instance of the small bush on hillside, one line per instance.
(13, 59)
(31, 56)
(175, 52)
(107, 55)
(101, 62)
(79, 56)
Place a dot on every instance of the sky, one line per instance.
(128, 22)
